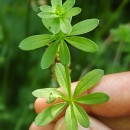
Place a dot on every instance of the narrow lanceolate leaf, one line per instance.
(70, 119)
(94, 98)
(49, 114)
(46, 8)
(55, 3)
(88, 81)
(82, 43)
(47, 22)
(73, 12)
(81, 115)
(36, 41)
(49, 93)
(47, 15)
(65, 26)
(68, 5)
(46, 92)
(55, 27)
(49, 55)
(64, 53)
(61, 76)
(84, 26)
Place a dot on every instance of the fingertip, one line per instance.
(48, 127)
(94, 125)
(39, 104)
(60, 125)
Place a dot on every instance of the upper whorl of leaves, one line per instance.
(57, 19)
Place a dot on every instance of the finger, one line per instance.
(117, 86)
(117, 123)
(94, 125)
(47, 127)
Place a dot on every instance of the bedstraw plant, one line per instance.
(57, 19)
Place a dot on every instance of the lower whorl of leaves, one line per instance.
(74, 113)
(49, 114)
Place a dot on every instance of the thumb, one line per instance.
(94, 125)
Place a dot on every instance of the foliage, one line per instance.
(57, 19)
(20, 73)
(122, 33)
(74, 112)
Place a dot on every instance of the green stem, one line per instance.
(68, 82)
(113, 18)
(118, 54)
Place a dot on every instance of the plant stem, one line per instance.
(118, 54)
(68, 82)
(113, 18)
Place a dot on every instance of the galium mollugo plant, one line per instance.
(57, 40)
(74, 112)
(57, 19)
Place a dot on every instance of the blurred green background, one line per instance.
(20, 71)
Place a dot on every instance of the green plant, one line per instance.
(74, 111)
(57, 19)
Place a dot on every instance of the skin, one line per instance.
(112, 115)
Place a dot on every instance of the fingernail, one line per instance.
(60, 125)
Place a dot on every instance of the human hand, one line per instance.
(113, 115)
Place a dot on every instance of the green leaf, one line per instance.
(46, 92)
(49, 55)
(49, 93)
(47, 15)
(46, 8)
(69, 19)
(68, 5)
(65, 26)
(70, 119)
(81, 115)
(61, 76)
(84, 26)
(73, 12)
(49, 114)
(82, 43)
(94, 98)
(47, 22)
(55, 27)
(56, 3)
(36, 41)
(64, 53)
(88, 81)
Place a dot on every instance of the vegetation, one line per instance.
(20, 73)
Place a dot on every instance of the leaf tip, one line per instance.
(107, 97)
(37, 122)
(21, 47)
(33, 93)
(43, 66)
(39, 15)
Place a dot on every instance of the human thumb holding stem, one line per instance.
(112, 115)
